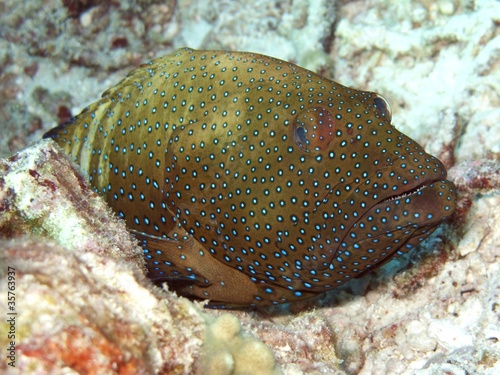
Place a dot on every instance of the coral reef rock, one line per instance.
(82, 303)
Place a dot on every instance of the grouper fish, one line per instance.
(251, 181)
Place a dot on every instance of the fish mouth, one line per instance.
(424, 205)
(400, 221)
(410, 174)
(409, 195)
(411, 191)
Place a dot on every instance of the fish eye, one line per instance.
(314, 129)
(383, 106)
(300, 136)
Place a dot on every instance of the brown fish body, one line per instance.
(250, 180)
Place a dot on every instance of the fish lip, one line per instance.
(418, 192)
(413, 192)
(415, 185)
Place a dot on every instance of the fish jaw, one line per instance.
(388, 229)
(395, 225)
(400, 220)
(412, 183)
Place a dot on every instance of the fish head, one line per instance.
(386, 194)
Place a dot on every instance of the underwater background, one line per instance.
(83, 303)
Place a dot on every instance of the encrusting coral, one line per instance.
(231, 352)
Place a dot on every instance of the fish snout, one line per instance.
(409, 173)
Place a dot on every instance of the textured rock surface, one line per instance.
(433, 311)
(82, 301)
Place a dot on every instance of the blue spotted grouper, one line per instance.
(251, 181)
